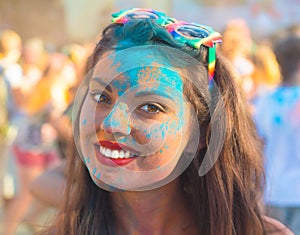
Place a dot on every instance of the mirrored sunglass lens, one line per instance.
(142, 15)
(192, 31)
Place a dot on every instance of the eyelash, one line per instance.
(157, 106)
(143, 107)
(100, 95)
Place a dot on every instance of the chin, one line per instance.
(133, 181)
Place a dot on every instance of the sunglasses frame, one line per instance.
(173, 26)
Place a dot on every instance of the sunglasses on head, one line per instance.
(191, 34)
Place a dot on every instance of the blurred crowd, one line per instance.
(38, 85)
(37, 88)
(269, 74)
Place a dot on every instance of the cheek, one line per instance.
(86, 127)
(159, 137)
(145, 131)
(91, 116)
(173, 136)
(86, 120)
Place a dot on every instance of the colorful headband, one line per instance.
(191, 34)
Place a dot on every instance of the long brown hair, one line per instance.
(225, 200)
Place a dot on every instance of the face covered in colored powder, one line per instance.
(135, 122)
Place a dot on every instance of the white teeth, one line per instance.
(108, 152)
(114, 153)
(121, 154)
(102, 150)
(127, 155)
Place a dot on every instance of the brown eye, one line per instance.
(152, 108)
(101, 98)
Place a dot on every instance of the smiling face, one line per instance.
(134, 125)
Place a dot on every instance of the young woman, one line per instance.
(166, 143)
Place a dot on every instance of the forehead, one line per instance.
(137, 66)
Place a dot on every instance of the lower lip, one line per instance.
(112, 161)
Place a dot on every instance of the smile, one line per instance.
(114, 154)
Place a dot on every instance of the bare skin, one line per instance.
(156, 212)
(276, 227)
(49, 186)
(16, 208)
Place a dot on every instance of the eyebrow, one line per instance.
(104, 84)
(153, 92)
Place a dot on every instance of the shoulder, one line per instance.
(275, 227)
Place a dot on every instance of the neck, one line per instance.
(155, 212)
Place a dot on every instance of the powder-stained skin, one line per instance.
(135, 125)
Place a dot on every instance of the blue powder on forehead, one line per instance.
(140, 56)
(134, 67)
(161, 81)
(168, 81)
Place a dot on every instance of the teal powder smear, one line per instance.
(138, 70)
(115, 123)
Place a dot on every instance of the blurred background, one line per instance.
(58, 22)
(44, 47)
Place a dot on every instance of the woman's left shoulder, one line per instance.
(275, 227)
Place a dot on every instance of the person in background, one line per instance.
(266, 74)
(7, 175)
(34, 148)
(49, 187)
(142, 165)
(9, 47)
(12, 77)
(3, 110)
(237, 47)
(78, 54)
(34, 61)
(277, 117)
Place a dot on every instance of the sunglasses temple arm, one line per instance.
(211, 64)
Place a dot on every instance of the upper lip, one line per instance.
(117, 146)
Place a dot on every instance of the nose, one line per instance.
(118, 120)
